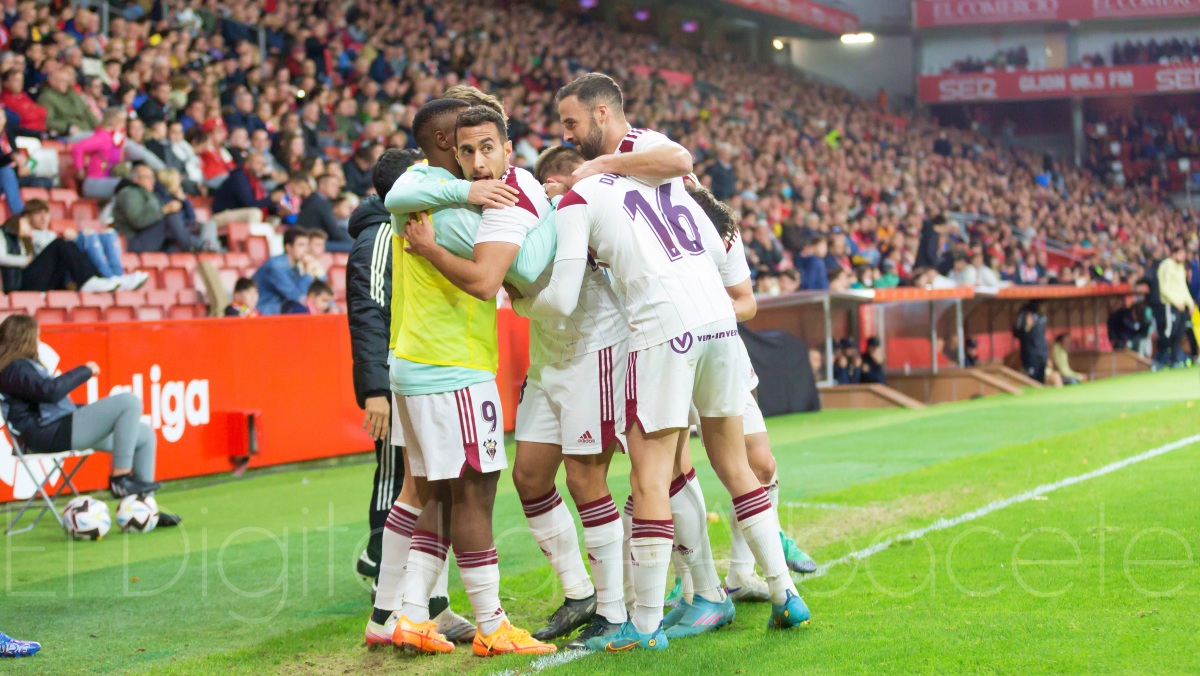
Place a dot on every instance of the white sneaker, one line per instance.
(747, 588)
(381, 634)
(453, 627)
(132, 281)
(101, 285)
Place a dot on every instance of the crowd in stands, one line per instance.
(182, 126)
(1144, 147)
(1174, 50)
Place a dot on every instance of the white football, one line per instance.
(87, 518)
(137, 514)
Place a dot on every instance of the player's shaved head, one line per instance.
(437, 115)
(556, 161)
(475, 97)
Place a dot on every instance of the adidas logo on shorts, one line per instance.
(586, 438)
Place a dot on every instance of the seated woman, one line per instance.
(95, 156)
(102, 247)
(47, 421)
(23, 267)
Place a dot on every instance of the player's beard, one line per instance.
(592, 145)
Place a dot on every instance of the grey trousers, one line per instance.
(114, 424)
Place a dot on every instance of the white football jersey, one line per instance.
(597, 322)
(662, 250)
(512, 224)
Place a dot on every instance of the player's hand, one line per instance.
(377, 418)
(419, 234)
(555, 189)
(590, 168)
(492, 194)
(512, 292)
(93, 367)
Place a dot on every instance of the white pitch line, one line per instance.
(819, 505)
(559, 659)
(943, 524)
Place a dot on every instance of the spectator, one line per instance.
(147, 222)
(40, 410)
(971, 352)
(318, 301)
(101, 247)
(58, 263)
(273, 174)
(1059, 354)
(316, 212)
(243, 198)
(14, 169)
(1172, 314)
(245, 299)
(216, 162)
(1030, 332)
(32, 117)
(177, 153)
(847, 363)
(873, 363)
(723, 174)
(288, 276)
(96, 156)
(984, 275)
(838, 280)
(358, 168)
(963, 273)
(243, 114)
(200, 236)
(67, 112)
(811, 265)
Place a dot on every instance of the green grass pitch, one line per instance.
(1098, 577)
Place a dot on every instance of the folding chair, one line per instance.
(39, 460)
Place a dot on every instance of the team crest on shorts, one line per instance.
(682, 343)
(489, 447)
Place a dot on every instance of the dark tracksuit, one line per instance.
(368, 306)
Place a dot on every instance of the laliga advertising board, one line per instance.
(1059, 83)
(198, 379)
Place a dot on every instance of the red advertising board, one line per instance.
(930, 13)
(1059, 83)
(805, 12)
(196, 377)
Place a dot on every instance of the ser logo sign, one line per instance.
(967, 89)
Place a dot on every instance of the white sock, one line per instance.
(397, 535)
(554, 530)
(441, 587)
(760, 526)
(691, 537)
(480, 573)
(651, 549)
(772, 489)
(605, 541)
(626, 551)
(426, 559)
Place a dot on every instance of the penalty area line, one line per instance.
(1032, 494)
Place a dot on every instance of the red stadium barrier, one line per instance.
(198, 378)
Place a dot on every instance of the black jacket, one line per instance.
(11, 276)
(369, 298)
(38, 406)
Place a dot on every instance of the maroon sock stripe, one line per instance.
(430, 543)
(401, 521)
(677, 484)
(598, 512)
(754, 502)
(650, 528)
(629, 506)
(539, 506)
(477, 559)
